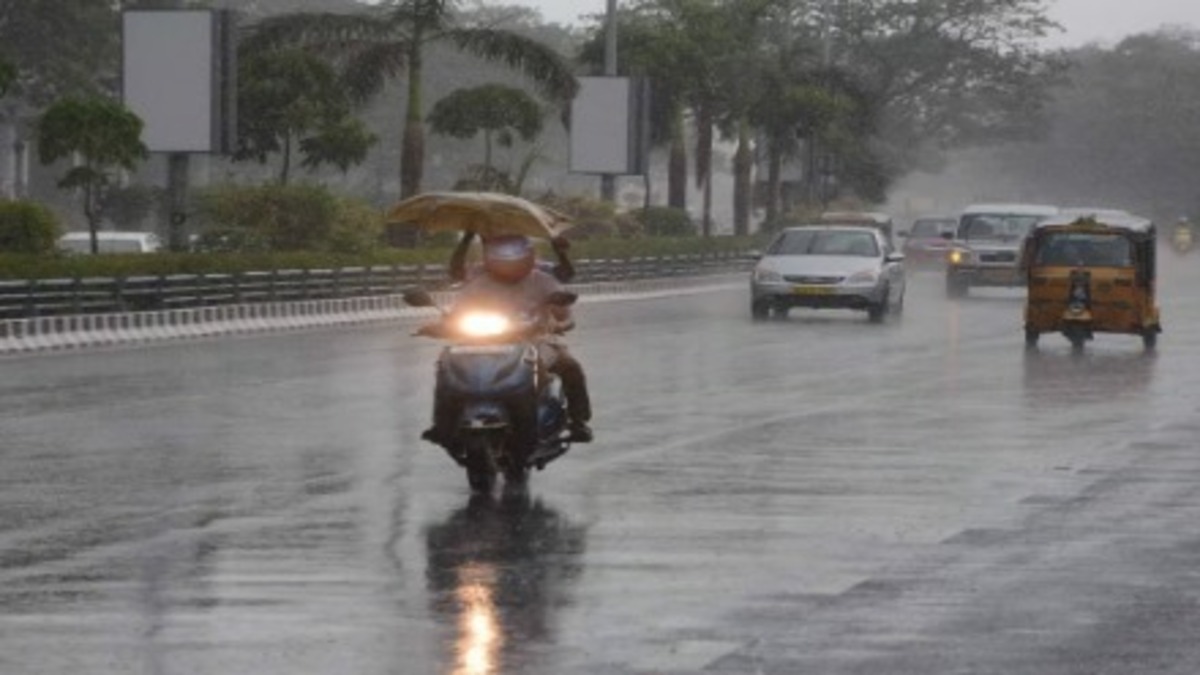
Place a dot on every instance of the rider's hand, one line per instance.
(560, 244)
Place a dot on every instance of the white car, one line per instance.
(829, 267)
(987, 247)
(110, 242)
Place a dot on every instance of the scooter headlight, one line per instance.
(484, 324)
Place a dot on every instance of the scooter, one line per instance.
(498, 408)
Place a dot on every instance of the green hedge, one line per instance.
(27, 227)
(14, 266)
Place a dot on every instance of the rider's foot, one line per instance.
(580, 432)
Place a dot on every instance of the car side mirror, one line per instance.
(418, 298)
(562, 299)
(894, 258)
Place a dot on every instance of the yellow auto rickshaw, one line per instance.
(1091, 275)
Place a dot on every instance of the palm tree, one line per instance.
(390, 42)
(734, 68)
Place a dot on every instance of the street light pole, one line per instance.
(608, 182)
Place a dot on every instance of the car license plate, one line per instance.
(812, 290)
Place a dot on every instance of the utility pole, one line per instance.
(608, 182)
(178, 171)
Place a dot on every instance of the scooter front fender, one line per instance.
(484, 416)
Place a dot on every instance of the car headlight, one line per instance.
(863, 277)
(484, 324)
(959, 256)
(763, 275)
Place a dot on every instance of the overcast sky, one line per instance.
(1084, 20)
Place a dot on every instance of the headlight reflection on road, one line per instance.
(479, 632)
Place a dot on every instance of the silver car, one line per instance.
(829, 267)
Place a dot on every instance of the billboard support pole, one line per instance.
(178, 170)
(608, 182)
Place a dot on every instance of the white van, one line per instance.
(111, 242)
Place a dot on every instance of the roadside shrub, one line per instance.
(27, 227)
(357, 228)
(594, 218)
(282, 218)
(665, 221)
(128, 207)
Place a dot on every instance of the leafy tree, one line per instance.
(391, 42)
(60, 47)
(54, 48)
(291, 99)
(1125, 132)
(499, 112)
(103, 134)
(946, 74)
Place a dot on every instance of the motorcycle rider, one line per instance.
(564, 271)
(511, 280)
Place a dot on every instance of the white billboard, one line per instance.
(177, 76)
(607, 126)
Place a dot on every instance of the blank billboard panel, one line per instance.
(607, 126)
(172, 78)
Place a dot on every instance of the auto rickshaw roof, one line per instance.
(1116, 220)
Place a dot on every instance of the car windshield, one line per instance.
(997, 227)
(931, 228)
(1085, 249)
(826, 242)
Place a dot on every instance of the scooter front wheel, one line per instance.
(480, 463)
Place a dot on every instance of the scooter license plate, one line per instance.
(481, 349)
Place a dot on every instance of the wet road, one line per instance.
(814, 495)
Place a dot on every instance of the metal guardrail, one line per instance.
(87, 331)
(100, 295)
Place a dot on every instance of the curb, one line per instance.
(86, 331)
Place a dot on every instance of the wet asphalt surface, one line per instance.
(810, 495)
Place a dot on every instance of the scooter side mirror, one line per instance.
(418, 298)
(562, 299)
